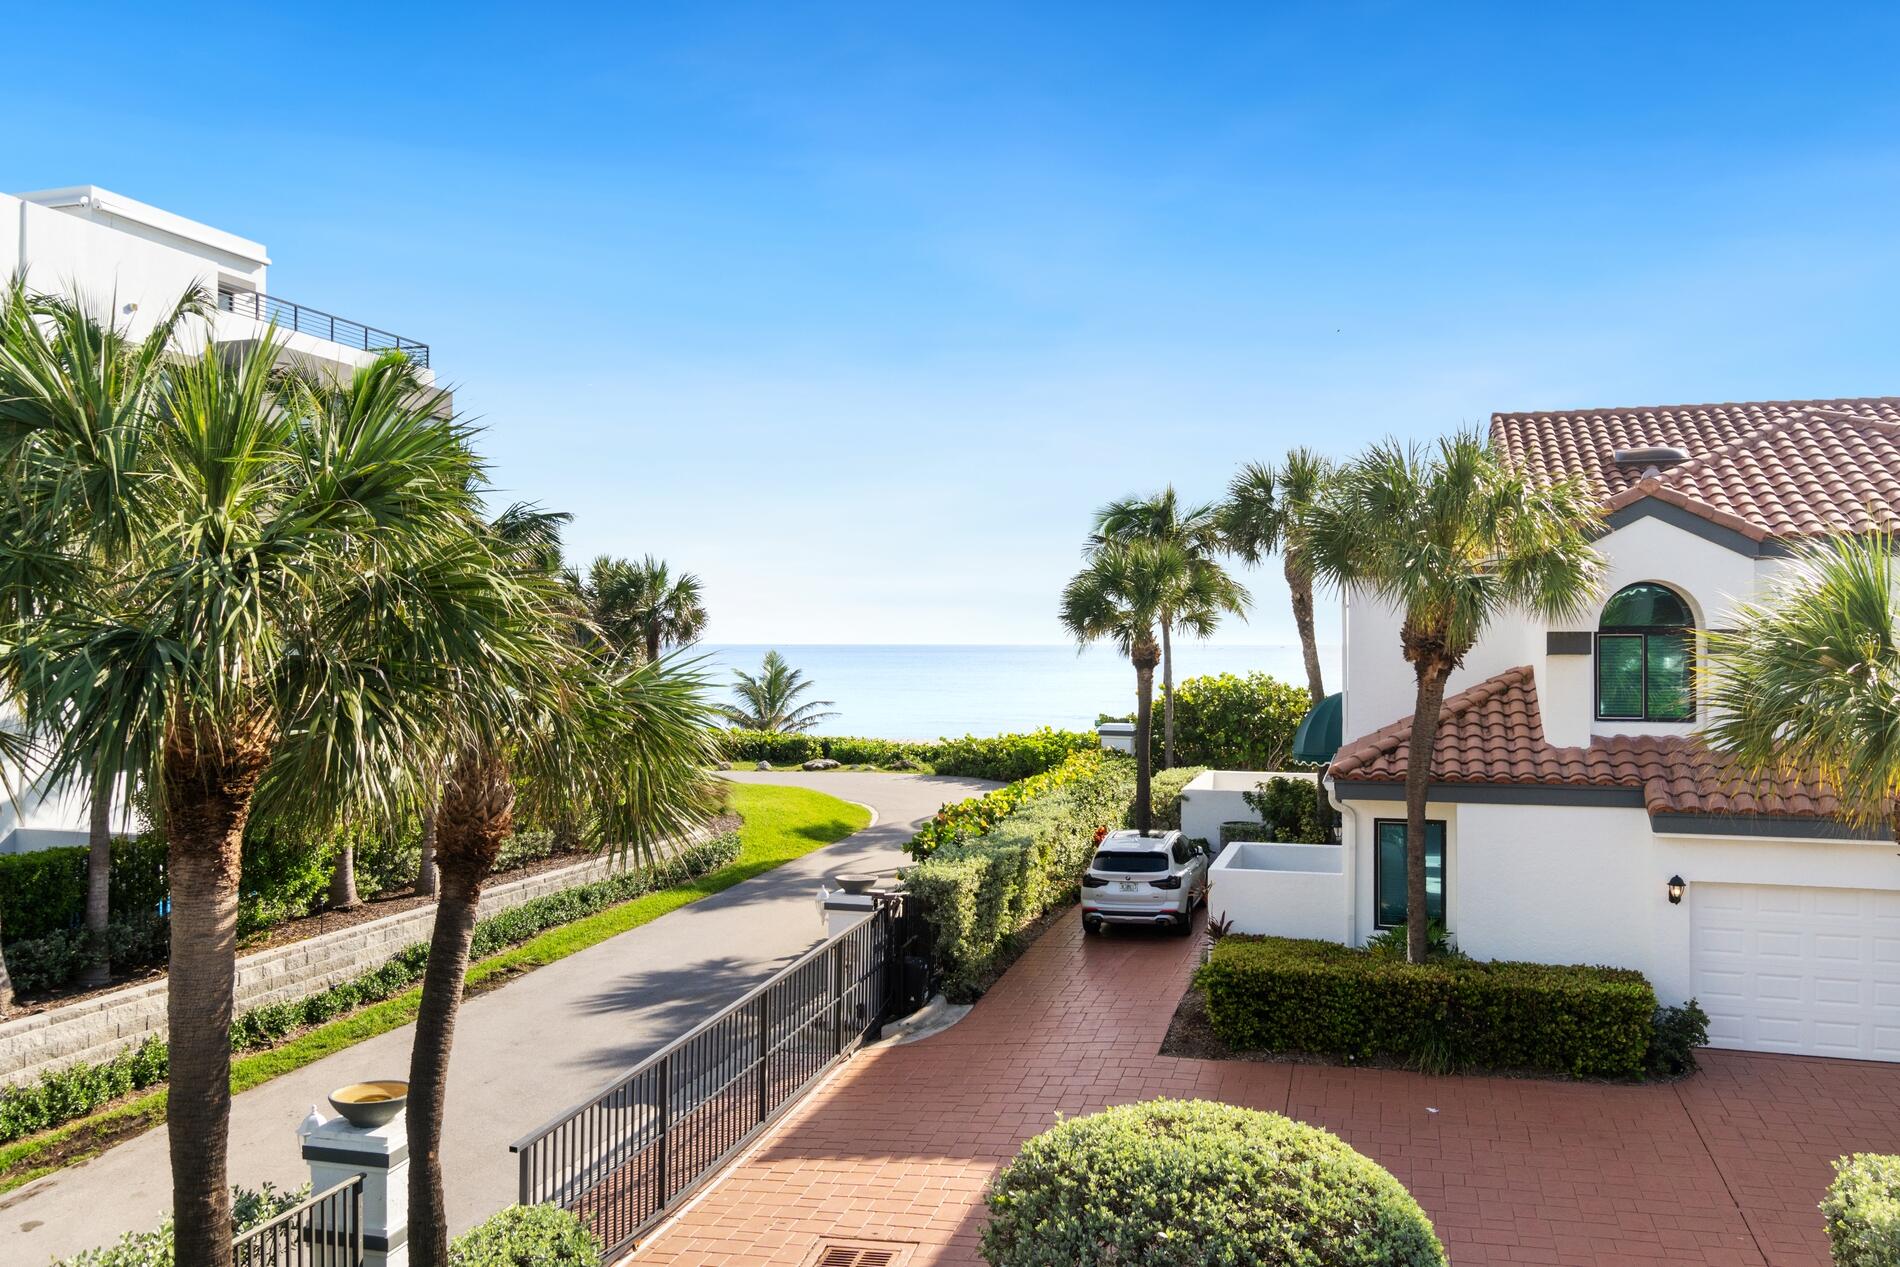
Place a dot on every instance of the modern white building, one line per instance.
(129, 262)
(1575, 816)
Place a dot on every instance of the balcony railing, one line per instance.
(289, 316)
(324, 1231)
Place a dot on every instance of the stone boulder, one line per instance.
(821, 763)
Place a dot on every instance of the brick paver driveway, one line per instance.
(1724, 1168)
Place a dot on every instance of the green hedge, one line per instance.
(1005, 758)
(1277, 994)
(1165, 795)
(979, 891)
(45, 891)
(77, 1090)
(1861, 1211)
(766, 745)
(527, 1236)
(967, 819)
(1231, 722)
(1190, 1183)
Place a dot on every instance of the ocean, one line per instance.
(926, 692)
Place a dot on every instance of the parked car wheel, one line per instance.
(1092, 927)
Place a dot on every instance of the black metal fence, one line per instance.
(304, 320)
(623, 1159)
(324, 1231)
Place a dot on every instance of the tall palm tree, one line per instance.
(1805, 685)
(537, 715)
(1453, 539)
(769, 701)
(184, 589)
(1120, 595)
(98, 879)
(1266, 510)
(1194, 530)
(640, 606)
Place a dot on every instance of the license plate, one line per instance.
(1128, 886)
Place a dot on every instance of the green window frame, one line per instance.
(1388, 872)
(1645, 656)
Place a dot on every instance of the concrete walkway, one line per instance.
(1722, 1169)
(523, 1052)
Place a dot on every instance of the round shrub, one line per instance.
(527, 1236)
(1861, 1210)
(1190, 1183)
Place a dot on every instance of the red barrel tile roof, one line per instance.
(1784, 469)
(1493, 733)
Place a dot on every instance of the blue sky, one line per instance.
(858, 311)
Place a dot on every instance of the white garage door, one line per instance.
(1814, 971)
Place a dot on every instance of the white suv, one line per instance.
(1155, 880)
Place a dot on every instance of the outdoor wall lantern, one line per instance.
(1676, 887)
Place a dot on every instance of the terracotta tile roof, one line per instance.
(1766, 469)
(1493, 734)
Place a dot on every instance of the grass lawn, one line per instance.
(781, 823)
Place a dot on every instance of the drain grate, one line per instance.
(860, 1254)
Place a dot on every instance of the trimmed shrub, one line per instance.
(81, 1089)
(1862, 1211)
(45, 891)
(1290, 810)
(980, 890)
(155, 1249)
(1231, 722)
(1677, 1032)
(1009, 757)
(527, 1236)
(1184, 1183)
(852, 750)
(1278, 994)
(1165, 795)
(46, 963)
(768, 745)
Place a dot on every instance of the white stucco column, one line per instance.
(337, 1151)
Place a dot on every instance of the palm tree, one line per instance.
(1121, 594)
(186, 586)
(537, 715)
(1267, 510)
(1195, 532)
(640, 606)
(1804, 686)
(98, 879)
(1453, 539)
(770, 700)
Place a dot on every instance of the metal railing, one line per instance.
(304, 320)
(325, 1231)
(623, 1159)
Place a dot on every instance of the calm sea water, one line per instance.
(922, 692)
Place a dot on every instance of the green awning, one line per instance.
(1318, 737)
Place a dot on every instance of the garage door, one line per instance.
(1814, 971)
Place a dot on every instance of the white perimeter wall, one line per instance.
(1583, 884)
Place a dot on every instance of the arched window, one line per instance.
(1646, 656)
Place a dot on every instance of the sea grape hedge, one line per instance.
(1230, 722)
(1187, 1183)
(1318, 997)
(1004, 758)
(996, 863)
(1861, 1211)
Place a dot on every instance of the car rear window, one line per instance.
(1129, 860)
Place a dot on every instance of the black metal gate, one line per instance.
(626, 1157)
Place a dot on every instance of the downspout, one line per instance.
(1349, 841)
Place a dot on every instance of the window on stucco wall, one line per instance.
(1646, 656)
(1388, 872)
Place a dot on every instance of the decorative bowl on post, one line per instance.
(370, 1103)
(856, 883)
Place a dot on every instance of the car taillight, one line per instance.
(1172, 882)
(1093, 882)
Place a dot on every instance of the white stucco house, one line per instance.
(1575, 817)
(129, 262)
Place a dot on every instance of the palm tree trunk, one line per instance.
(1167, 695)
(6, 987)
(442, 986)
(343, 879)
(1418, 783)
(1144, 658)
(425, 869)
(475, 816)
(206, 828)
(653, 643)
(1299, 584)
(99, 880)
